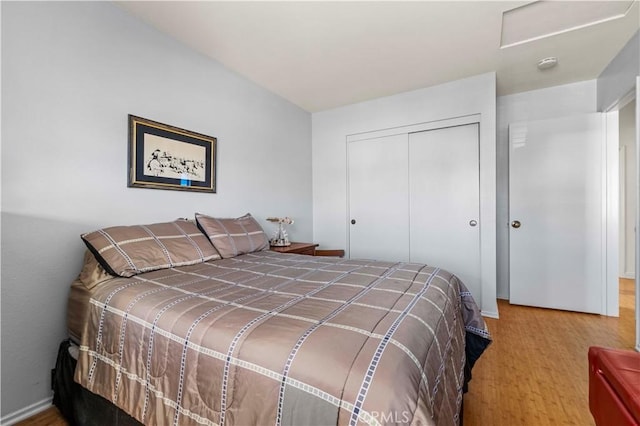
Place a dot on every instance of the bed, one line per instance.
(236, 334)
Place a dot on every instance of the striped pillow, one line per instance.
(130, 250)
(233, 237)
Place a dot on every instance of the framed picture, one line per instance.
(167, 157)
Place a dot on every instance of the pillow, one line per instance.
(92, 272)
(130, 250)
(233, 237)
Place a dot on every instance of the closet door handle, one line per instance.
(353, 221)
(473, 222)
(515, 224)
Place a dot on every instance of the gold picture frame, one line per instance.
(167, 157)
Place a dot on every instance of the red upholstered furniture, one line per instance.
(614, 386)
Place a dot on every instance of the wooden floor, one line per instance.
(534, 373)
(536, 370)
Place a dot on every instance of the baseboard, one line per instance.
(628, 275)
(490, 314)
(26, 412)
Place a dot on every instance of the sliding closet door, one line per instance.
(444, 200)
(378, 194)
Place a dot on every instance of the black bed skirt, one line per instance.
(79, 406)
(83, 408)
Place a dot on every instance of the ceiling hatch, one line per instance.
(543, 19)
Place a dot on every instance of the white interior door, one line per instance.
(556, 213)
(378, 199)
(444, 181)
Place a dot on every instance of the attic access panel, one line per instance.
(543, 19)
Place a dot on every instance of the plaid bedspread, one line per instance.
(269, 339)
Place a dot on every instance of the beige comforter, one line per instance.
(270, 339)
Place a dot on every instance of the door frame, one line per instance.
(637, 97)
(613, 185)
(611, 212)
(623, 265)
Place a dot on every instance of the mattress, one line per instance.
(271, 338)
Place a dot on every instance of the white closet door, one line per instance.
(378, 193)
(556, 213)
(445, 200)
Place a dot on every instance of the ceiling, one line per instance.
(322, 55)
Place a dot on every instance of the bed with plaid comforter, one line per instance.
(269, 339)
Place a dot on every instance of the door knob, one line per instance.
(473, 222)
(353, 221)
(515, 224)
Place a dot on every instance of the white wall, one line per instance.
(475, 95)
(71, 72)
(619, 76)
(558, 101)
(627, 135)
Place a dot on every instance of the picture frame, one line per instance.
(167, 157)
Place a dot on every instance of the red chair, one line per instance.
(614, 386)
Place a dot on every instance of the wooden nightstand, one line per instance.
(298, 248)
